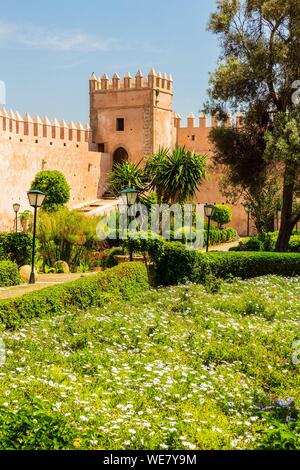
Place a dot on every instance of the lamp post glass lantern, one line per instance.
(209, 210)
(36, 199)
(129, 197)
(16, 208)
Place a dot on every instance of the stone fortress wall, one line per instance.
(130, 119)
(29, 145)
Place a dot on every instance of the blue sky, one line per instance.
(49, 50)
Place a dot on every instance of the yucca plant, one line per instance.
(175, 175)
(124, 175)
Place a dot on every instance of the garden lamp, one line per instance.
(129, 196)
(16, 208)
(36, 199)
(209, 210)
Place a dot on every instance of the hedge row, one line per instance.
(9, 274)
(175, 264)
(123, 281)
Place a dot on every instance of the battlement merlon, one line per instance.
(155, 81)
(14, 124)
(203, 122)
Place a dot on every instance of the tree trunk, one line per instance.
(287, 219)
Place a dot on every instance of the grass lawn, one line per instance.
(178, 368)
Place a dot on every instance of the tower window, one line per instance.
(193, 137)
(120, 124)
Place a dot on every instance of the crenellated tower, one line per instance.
(130, 117)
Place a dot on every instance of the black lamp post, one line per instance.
(16, 208)
(209, 210)
(129, 196)
(36, 199)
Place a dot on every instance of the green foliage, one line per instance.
(247, 265)
(68, 236)
(175, 175)
(222, 215)
(252, 244)
(175, 264)
(217, 236)
(54, 184)
(16, 246)
(9, 274)
(124, 280)
(294, 244)
(280, 436)
(283, 146)
(33, 427)
(267, 242)
(259, 62)
(110, 260)
(126, 175)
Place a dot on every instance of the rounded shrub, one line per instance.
(9, 274)
(222, 215)
(294, 244)
(54, 184)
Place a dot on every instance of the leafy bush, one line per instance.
(251, 244)
(9, 274)
(55, 186)
(222, 215)
(294, 244)
(267, 242)
(218, 236)
(32, 427)
(110, 260)
(280, 436)
(16, 247)
(124, 281)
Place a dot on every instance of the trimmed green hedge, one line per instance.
(123, 282)
(9, 274)
(247, 265)
(175, 264)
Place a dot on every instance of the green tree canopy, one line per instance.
(54, 184)
(259, 65)
(175, 175)
(283, 145)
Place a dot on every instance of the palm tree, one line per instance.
(124, 175)
(175, 175)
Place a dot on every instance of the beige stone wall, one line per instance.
(22, 156)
